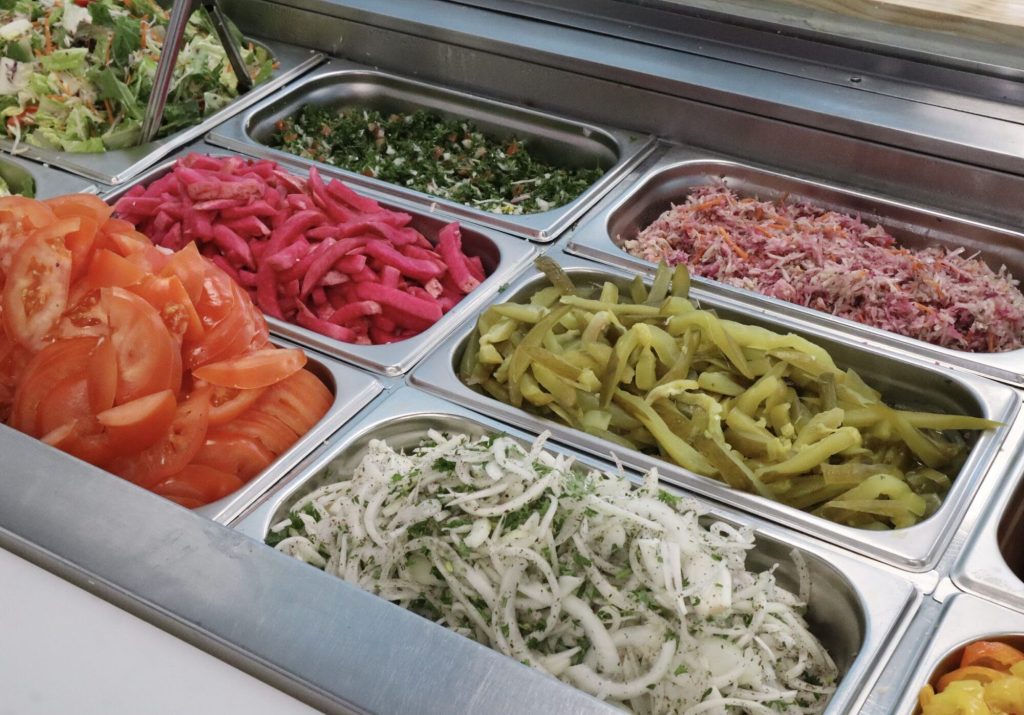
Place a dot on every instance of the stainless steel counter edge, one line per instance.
(840, 106)
(980, 566)
(590, 239)
(890, 597)
(258, 610)
(916, 548)
(117, 166)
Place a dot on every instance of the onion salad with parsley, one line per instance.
(76, 76)
(448, 158)
(624, 593)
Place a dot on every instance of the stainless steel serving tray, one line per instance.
(503, 258)
(39, 180)
(856, 609)
(672, 177)
(555, 139)
(352, 390)
(115, 167)
(991, 564)
(964, 619)
(902, 378)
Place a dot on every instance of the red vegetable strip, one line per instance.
(288, 257)
(266, 292)
(421, 270)
(233, 245)
(450, 247)
(403, 302)
(306, 319)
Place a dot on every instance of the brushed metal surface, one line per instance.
(340, 84)
(856, 609)
(682, 169)
(902, 377)
(352, 390)
(991, 563)
(115, 167)
(503, 258)
(962, 620)
(39, 180)
(321, 640)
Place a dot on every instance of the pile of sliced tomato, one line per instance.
(152, 365)
(990, 679)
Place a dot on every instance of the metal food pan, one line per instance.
(856, 609)
(964, 620)
(116, 167)
(991, 563)
(902, 378)
(40, 181)
(352, 390)
(555, 139)
(680, 170)
(503, 257)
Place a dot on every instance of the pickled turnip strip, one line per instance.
(628, 594)
(300, 247)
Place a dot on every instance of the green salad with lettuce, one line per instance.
(76, 75)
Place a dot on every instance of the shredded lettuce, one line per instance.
(79, 79)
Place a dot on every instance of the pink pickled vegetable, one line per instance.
(311, 252)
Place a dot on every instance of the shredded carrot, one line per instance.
(732, 244)
(710, 203)
(110, 111)
(46, 35)
(145, 28)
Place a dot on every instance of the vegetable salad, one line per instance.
(628, 594)
(76, 76)
(449, 158)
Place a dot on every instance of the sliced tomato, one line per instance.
(299, 401)
(200, 482)
(13, 360)
(149, 259)
(101, 374)
(108, 270)
(171, 300)
(66, 400)
(268, 431)
(233, 327)
(148, 360)
(87, 440)
(51, 365)
(227, 403)
(122, 238)
(174, 450)
(87, 205)
(991, 654)
(19, 217)
(87, 316)
(190, 268)
(81, 244)
(142, 421)
(36, 288)
(234, 453)
(257, 369)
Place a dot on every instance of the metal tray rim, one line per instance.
(543, 227)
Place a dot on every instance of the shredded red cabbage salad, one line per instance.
(838, 264)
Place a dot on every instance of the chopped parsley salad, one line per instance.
(448, 158)
(76, 76)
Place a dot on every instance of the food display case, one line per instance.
(661, 98)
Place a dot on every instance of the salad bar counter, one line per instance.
(443, 401)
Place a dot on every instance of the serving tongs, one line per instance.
(180, 14)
